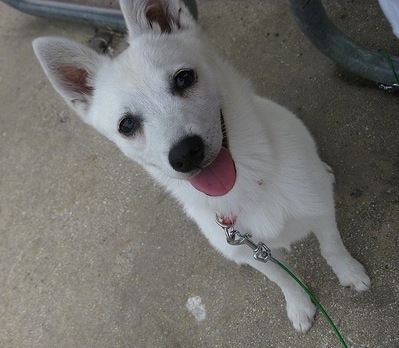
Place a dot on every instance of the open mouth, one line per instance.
(225, 141)
(219, 177)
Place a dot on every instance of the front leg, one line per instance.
(300, 309)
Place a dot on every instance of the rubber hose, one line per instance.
(316, 25)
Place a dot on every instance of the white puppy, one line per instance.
(171, 104)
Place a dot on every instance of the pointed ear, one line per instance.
(71, 68)
(160, 16)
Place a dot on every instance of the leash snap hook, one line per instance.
(231, 237)
(262, 253)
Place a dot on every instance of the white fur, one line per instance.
(283, 190)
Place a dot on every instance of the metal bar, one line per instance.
(97, 16)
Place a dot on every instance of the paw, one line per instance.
(352, 274)
(301, 312)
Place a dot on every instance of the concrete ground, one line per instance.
(94, 254)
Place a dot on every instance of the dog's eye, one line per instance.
(184, 79)
(128, 125)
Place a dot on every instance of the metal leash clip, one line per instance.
(263, 253)
(233, 237)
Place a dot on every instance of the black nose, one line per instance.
(187, 154)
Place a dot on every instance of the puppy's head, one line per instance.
(158, 101)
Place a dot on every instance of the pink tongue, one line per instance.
(218, 178)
